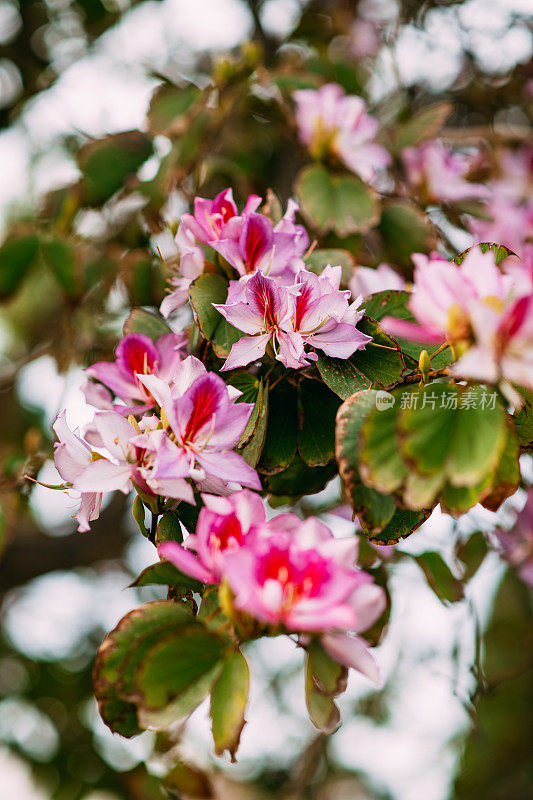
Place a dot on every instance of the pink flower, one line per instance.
(72, 456)
(265, 308)
(252, 243)
(208, 223)
(224, 525)
(322, 316)
(211, 216)
(444, 294)
(503, 344)
(305, 580)
(136, 355)
(313, 311)
(517, 544)
(204, 426)
(129, 459)
(438, 174)
(367, 280)
(330, 121)
(191, 266)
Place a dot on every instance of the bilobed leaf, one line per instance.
(148, 322)
(316, 435)
(104, 164)
(119, 714)
(339, 203)
(405, 230)
(17, 255)
(229, 698)
(440, 577)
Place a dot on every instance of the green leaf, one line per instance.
(316, 436)
(229, 698)
(329, 676)
(168, 104)
(163, 573)
(471, 553)
(281, 434)
(506, 479)
(169, 528)
(339, 203)
(374, 510)
(118, 713)
(188, 781)
(500, 252)
(106, 163)
(147, 322)
(16, 257)
(176, 674)
(321, 257)
(60, 258)
(207, 289)
(139, 514)
(440, 577)
(405, 230)
(380, 464)
(402, 524)
(224, 338)
(379, 364)
(322, 710)
(299, 479)
(253, 437)
(443, 440)
(423, 125)
(523, 419)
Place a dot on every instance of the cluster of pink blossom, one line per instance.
(329, 121)
(292, 576)
(190, 444)
(248, 241)
(486, 314)
(276, 301)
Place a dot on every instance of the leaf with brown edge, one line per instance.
(330, 677)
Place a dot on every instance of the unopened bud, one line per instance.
(424, 365)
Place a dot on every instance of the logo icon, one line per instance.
(384, 400)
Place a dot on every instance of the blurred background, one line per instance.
(454, 719)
